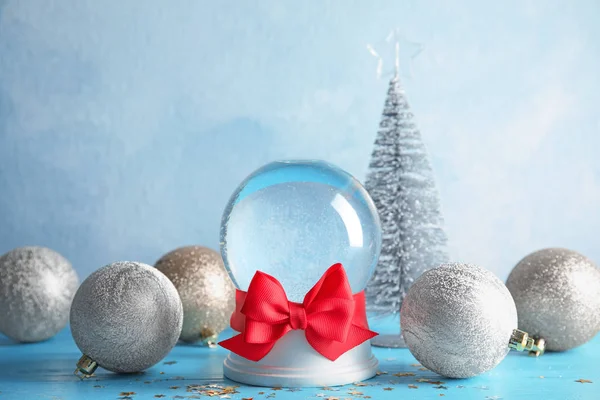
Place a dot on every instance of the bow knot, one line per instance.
(297, 315)
(334, 320)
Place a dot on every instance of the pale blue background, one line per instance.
(125, 125)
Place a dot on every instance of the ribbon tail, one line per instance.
(251, 351)
(332, 349)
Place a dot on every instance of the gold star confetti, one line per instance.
(400, 374)
(584, 381)
(332, 398)
(415, 365)
(360, 384)
(381, 373)
(542, 376)
(355, 392)
(424, 380)
(212, 390)
(126, 393)
(261, 392)
(413, 387)
(276, 388)
(388, 388)
(423, 369)
(162, 373)
(326, 388)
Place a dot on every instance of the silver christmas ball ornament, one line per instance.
(206, 291)
(36, 288)
(557, 293)
(125, 317)
(459, 321)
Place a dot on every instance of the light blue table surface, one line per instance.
(45, 371)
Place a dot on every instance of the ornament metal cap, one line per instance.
(86, 366)
(521, 341)
(208, 338)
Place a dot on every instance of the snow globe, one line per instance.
(300, 240)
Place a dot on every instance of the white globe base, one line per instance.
(293, 363)
(393, 341)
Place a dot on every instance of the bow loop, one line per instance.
(257, 332)
(266, 300)
(332, 285)
(334, 320)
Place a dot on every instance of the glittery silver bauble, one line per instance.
(36, 288)
(126, 316)
(557, 293)
(206, 291)
(457, 320)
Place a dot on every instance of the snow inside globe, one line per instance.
(295, 219)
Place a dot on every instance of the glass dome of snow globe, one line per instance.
(295, 219)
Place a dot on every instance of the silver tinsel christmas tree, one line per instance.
(400, 181)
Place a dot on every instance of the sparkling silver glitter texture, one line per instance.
(457, 320)
(36, 288)
(401, 182)
(206, 291)
(126, 316)
(557, 293)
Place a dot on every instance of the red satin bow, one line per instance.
(333, 319)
